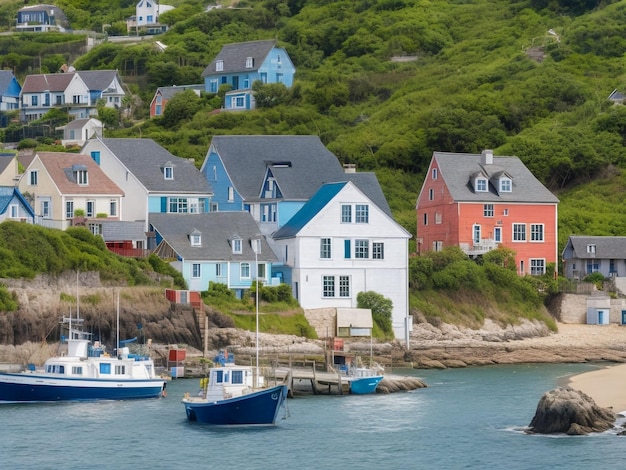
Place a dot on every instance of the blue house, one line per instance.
(13, 206)
(41, 18)
(215, 247)
(270, 176)
(9, 91)
(241, 64)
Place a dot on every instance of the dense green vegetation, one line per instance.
(27, 250)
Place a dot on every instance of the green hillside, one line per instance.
(527, 78)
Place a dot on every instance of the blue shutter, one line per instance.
(164, 205)
(346, 249)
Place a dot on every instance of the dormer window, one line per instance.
(480, 185)
(249, 62)
(505, 185)
(168, 171)
(591, 249)
(219, 66)
(80, 174)
(237, 246)
(195, 238)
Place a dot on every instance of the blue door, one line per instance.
(623, 317)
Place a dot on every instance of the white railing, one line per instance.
(483, 247)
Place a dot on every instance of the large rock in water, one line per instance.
(565, 410)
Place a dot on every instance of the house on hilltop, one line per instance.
(41, 18)
(480, 202)
(241, 64)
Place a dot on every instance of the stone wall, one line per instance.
(573, 309)
(323, 320)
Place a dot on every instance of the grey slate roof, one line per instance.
(246, 159)
(168, 91)
(368, 183)
(606, 247)
(217, 229)
(6, 77)
(144, 158)
(97, 80)
(234, 56)
(457, 168)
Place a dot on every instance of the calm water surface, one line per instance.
(466, 418)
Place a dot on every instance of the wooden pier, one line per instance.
(320, 383)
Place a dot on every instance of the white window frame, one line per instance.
(378, 250)
(69, 209)
(506, 185)
(537, 232)
(249, 62)
(488, 210)
(244, 270)
(113, 208)
(591, 248)
(196, 271)
(237, 246)
(326, 249)
(328, 286)
(434, 173)
(218, 270)
(519, 232)
(476, 234)
(219, 65)
(346, 214)
(431, 194)
(361, 214)
(537, 266)
(344, 286)
(497, 234)
(82, 177)
(481, 185)
(33, 177)
(168, 172)
(361, 249)
(195, 239)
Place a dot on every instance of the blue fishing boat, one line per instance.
(363, 380)
(235, 395)
(85, 373)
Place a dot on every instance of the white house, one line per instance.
(78, 131)
(341, 243)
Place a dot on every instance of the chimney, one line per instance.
(487, 158)
(349, 168)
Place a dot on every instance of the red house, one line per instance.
(480, 202)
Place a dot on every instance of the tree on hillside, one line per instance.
(181, 107)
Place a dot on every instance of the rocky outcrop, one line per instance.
(569, 411)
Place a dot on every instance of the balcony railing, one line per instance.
(481, 248)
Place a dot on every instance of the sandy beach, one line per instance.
(605, 386)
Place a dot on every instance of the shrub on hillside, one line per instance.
(381, 308)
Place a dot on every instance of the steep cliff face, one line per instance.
(144, 312)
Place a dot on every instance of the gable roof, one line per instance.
(6, 78)
(368, 183)
(168, 91)
(246, 159)
(145, 159)
(607, 247)
(457, 169)
(60, 166)
(5, 161)
(98, 80)
(217, 230)
(234, 57)
(7, 193)
(80, 123)
(53, 82)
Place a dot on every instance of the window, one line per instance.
(476, 234)
(488, 210)
(592, 267)
(249, 62)
(505, 187)
(196, 239)
(81, 177)
(95, 156)
(361, 249)
(90, 212)
(213, 86)
(431, 194)
(378, 250)
(481, 185)
(425, 218)
(361, 214)
(519, 232)
(438, 217)
(537, 267)
(120, 369)
(536, 233)
(591, 248)
(96, 229)
(231, 194)
(76, 99)
(105, 368)
(219, 65)
(437, 245)
(195, 270)
(237, 245)
(434, 173)
(245, 270)
(77, 370)
(218, 270)
(32, 177)
(215, 207)
(505, 212)
(69, 209)
(59, 100)
(113, 208)
(344, 286)
(268, 212)
(179, 205)
(45, 209)
(325, 248)
(497, 234)
(168, 173)
(34, 100)
(14, 211)
(260, 271)
(346, 213)
(238, 102)
(236, 377)
(328, 286)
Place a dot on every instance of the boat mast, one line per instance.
(256, 247)
(117, 327)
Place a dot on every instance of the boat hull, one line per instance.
(31, 388)
(365, 385)
(254, 409)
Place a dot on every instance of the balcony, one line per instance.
(475, 249)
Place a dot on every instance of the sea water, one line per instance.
(465, 419)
